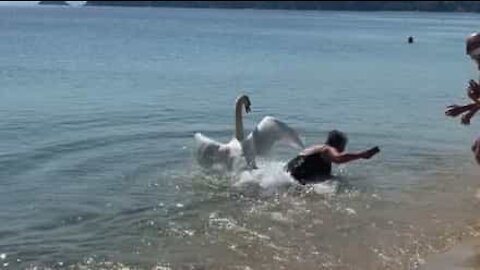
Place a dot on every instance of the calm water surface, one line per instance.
(98, 108)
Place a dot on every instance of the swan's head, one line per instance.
(247, 105)
(245, 101)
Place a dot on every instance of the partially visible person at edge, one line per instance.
(473, 92)
(314, 163)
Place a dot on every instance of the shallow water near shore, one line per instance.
(99, 107)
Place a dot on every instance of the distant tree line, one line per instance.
(450, 6)
(54, 3)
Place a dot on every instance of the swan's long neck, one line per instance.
(238, 118)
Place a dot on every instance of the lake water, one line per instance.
(98, 108)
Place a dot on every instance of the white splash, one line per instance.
(270, 177)
(325, 188)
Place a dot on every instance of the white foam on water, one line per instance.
(325, 188)
(270, 177)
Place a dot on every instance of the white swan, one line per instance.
(258, 143)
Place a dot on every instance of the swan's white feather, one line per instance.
(259, 142)
(269, 132)
(209, 152)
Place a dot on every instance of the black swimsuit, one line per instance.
(308, 168)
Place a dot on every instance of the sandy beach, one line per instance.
(465, 255)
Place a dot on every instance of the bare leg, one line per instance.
(476, 150)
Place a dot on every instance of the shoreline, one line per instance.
(462, 256)
(431, 6)
(297, 10)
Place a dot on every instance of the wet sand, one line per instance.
(465, 255)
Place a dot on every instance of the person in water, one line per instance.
(473, 92)
(314, 163)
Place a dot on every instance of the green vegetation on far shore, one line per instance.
(439, 6)
(53, 3)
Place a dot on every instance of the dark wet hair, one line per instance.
(337, 139)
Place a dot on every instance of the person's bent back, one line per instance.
(314, 163)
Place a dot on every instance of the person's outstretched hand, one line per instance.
(455, 110)
(371, 152)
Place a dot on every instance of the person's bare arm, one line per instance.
(473, 92)
(340, 158)
(469, 115)
(455, 110)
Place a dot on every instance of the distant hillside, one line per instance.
(449, 6)
(53, 3)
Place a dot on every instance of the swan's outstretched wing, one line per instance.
(206, 150)
(209, 152)
(270, 131)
